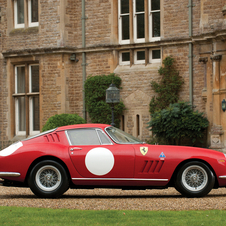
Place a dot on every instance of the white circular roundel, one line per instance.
(99, 161)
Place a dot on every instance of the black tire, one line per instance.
(194, 179)
(48, 179)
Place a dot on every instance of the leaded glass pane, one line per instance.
(155, 5)
(20, 11)
(139, 5)
(156, 24)
(124, 6)
(140, 55)
(126, 56)
(35, 78)
(20, 79)
(156, 54)
(125, 27)
(140, 26)
(35, 116)
(21, 114)
(34, 11)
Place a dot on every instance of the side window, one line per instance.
(83, 137)
(103, 137)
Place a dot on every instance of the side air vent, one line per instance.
(52, 137)
(152, 166)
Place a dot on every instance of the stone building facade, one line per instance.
(49, 47)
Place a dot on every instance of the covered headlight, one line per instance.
(11, 149)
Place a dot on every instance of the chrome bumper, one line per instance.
(9, 174)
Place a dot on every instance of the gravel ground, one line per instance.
(114, 199)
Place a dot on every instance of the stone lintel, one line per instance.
(216, 57)
(203, 59)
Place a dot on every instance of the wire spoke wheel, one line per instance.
(48, 178)
(194, 178)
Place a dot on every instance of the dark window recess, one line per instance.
(140, 26)
(156, 54)
(125, 27)
(126, 56)
(124, 6)
(139, 5)
(155, 5)
(140, 55)
(156, 24)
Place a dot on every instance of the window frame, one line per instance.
(28, 98)
(17, 96)
(136, 61)
(96, 131)
(16, 25)
(120, 58)
(148, 18)
(150, 13)
(27, 15)
(137, 40)
(31, 24)
(152, 61)
(120, 15)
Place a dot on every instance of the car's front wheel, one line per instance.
(48, 179)
(194, 179)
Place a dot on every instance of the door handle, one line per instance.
(75, 149)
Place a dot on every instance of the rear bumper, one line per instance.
(9, 174)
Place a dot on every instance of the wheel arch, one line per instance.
(172, 180)
(47, 157)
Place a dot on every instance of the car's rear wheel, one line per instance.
(194, 179)
(48, 179)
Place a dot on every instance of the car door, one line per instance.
(94, 155)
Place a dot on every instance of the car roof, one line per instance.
(80, 126)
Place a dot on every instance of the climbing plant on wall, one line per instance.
(168, 88)
(95, 95)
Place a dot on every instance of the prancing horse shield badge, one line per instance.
(144, 150)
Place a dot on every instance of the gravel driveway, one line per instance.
(115, 199)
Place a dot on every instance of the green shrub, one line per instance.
(177, 123)
(62, 120)
(168, 88)
(95, 96)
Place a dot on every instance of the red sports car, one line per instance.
(102, 156)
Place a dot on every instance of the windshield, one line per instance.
(121, 137)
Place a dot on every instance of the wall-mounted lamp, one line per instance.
(73, 57)
(223, 105)
(112, 97)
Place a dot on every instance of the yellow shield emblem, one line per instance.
(144, 150)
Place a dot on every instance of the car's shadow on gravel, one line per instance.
(8, 196)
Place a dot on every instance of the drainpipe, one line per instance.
(190, 5)
(83, 58)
